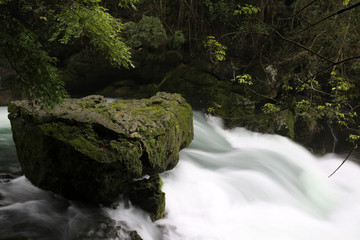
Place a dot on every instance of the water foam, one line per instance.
(228, 184)
(243, 185)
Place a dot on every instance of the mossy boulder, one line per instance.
(89, 149)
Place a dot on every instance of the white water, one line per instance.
(240, 185)
(8, 158)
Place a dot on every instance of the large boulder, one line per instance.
(90, 149)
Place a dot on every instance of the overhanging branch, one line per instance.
(296, 43)
(330, 16)
(347, 157)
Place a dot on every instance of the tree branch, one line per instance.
(330, 16)
(296, 43)
(347, 157)
(302, 9)
(322, 70)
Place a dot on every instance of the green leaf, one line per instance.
(245, 79)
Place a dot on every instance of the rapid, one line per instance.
(228, 185)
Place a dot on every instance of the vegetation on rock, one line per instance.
(91, 150)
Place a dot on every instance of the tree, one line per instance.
(320, 42)
(29, 28)
(303, 57)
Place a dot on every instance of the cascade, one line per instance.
(228, 184)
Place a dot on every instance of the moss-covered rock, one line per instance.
(206, 92)
(147, 194)
(89, 149)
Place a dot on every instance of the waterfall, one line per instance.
(228, 184)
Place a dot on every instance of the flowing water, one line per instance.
(228, 185)
(8, 159)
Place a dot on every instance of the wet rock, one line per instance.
(7, 177)
(91, 150)
(135, 236)
(105, 230)
(147, 194)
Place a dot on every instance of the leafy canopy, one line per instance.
(28, 28)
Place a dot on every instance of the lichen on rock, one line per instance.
(90, 149)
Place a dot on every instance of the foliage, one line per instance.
(335, 109)
(94, 22)
(215, 106)
(26, 27)
(218, 12)
(309, 44)
(215, 49)
(339, 83)
(245, 79)
(177, 40)
(293, 37)
(36, 73)
(323, 86)
(128, 3)
(149, 31)
(246, 9)
(354, 138)
(270, 108)
(346, 2)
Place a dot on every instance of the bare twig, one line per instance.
(296, 43)
(261, 95)
(302, 9)
(347, 157)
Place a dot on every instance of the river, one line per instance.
(228, 185)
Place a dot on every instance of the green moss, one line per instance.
(83, 139)
(143, 128)
(94, 152)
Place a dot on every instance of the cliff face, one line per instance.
(89, 149)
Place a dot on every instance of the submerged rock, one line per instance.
(106, 229)
(7, 177)
(91, 150)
